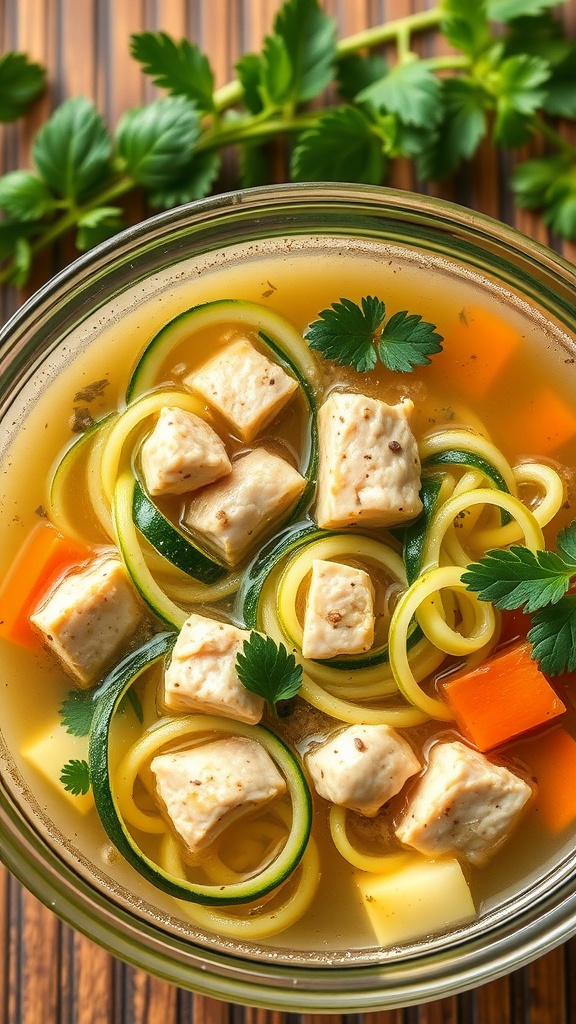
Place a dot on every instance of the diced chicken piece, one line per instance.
(231, 515)
(339, 614)
(362, 767)
(463, 804)
(88, 617)
(182, 453)
(244, 386)
(369, 472)
(202, 673)
(207, 788)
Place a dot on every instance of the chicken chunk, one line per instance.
(339, 614)
(369, 472)
(362, 767)
(244, 387)
(205, 789)
(230, 516)
(88, 617)
(463, 805)
(202, 673)
(182, 453)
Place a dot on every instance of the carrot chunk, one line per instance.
(476, 348)
(503, 698)
(545, 422)
(44, 556)
(552, 761)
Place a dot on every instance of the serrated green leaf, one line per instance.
(542, 36)
(180, 67)
(519, 94)
(195, 182)
(519, 578)
(97, 225)
(342, 146)
(463, 126)
(532, 180)
(355, 73)
(408, 341)
(410, 91)
(156, 142)
(277, 77)
(24, 196)
(465, 25)
(560, 99)
(566, 544)
(268, 670)
(346, 332)
(21, 82)
(11, 232)
(75, 777)
(560, 211)
(553, 637)
(77, 712)
(508, 10)
(72, 150)
(249, 71)
(310, 38)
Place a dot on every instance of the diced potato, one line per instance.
(88, 617)
(202, 672)
(231, 515)
(369, 471)
(50, 751)
(207, 788)
(339, 614)
(182, 453)
(420, 899)
(244, 387)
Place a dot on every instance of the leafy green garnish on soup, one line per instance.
(268, 670)
(75, 777)
(358, 336)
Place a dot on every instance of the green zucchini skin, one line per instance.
(261, 567)
(170, 543)
(107, 699)
(461, 457)
(415, 534)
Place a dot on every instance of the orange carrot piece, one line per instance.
(44, 556)
(545, 422)
(551, 759)
(503, 698)
(476, 348)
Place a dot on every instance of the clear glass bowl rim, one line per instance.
(542, 921)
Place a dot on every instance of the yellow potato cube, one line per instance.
(424, 897)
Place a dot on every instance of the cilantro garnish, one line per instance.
(356, 336)
(268, 669)
(75, 777)
(77, 710)
(536, 582)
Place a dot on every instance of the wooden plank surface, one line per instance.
(48, 973)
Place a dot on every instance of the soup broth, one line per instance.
(504, 370)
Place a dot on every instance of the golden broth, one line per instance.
(503, 364)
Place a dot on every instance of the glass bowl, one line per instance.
(65, 317)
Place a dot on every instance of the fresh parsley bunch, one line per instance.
(511, 71)
(538, 582)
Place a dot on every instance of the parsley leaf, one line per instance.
(410, 91)
(465, 25)
(77, 711)
(267, 669)
(21, 82)
(342, 146)
(97, 225)
(519, 578)
(276, 72)
(519, 94)
(309, 35)
(156, 142)
(553, 636)
(75, 777)
(353, 336)
(355, 73)
(24, 196)
(463, 126)
(249, 71)
(179, 67)
(72, 151)
(193, 183)
(507, 10)
(560, 100)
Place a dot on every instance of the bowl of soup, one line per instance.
(264, 733)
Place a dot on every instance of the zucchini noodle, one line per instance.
(409, 605)
(129, 421)
(551, 486)
(386, 864)
(460, 438)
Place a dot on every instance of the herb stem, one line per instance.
(255, 130)
(541, 127)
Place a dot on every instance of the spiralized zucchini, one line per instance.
(386, 864)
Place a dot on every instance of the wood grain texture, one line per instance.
(48, 973)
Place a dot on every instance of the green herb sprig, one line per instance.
(511, 73)
(357, 336)
(268, 670)
(21, 82)
(538, 583)
(75, 777)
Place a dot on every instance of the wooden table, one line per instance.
(48, 973)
